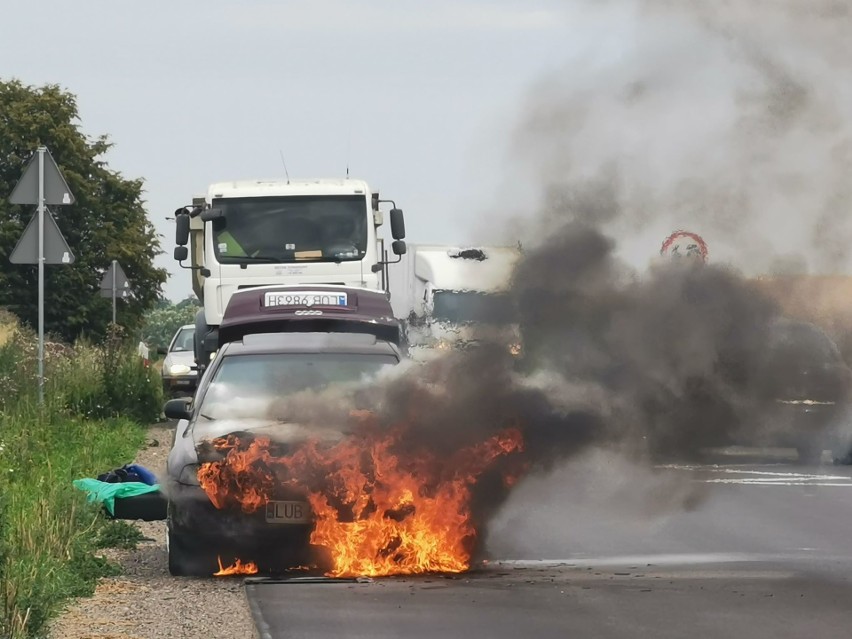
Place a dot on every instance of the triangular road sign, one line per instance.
(56, 250)
(56, 189)
(122, 286)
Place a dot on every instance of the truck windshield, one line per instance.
(471, 306)
(330, 228)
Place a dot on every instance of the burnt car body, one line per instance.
(782, 384)
(790, 389)
(807, 387)
(340, 346)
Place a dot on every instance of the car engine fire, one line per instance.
(380, 507)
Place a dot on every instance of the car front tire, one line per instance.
(188, 557)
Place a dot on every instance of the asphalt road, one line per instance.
(602, 548)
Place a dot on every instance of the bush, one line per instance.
(108, 381)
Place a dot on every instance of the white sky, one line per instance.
(733, 120)
(420, 98)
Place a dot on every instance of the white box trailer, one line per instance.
(448, 296)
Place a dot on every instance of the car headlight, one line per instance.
(179, 369)
(189, 475)
(516, 349)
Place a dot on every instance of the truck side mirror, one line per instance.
(397, 225)
(181, 253)
(181, 228)
(399, 247)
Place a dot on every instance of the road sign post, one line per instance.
(114, 283)
(40, 152)
(41, 184)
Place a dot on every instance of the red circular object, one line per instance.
(700, 244)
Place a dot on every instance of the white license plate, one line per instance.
(288, 512)
(305, 298)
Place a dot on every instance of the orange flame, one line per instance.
(238, 568)
(378, 510)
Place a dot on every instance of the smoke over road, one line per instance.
(732, 121)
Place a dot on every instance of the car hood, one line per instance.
(186, 358)
(193, 444)
(280, 432)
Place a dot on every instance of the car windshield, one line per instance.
(469, 306)
(252, 381)
(329, 228)
(183, 340)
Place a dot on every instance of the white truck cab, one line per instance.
(281, 232)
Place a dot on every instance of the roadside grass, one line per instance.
(96, 398)
(119, 534)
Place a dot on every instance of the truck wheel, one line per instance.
(188, 557)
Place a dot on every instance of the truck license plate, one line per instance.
(305, 298)
(288, 512)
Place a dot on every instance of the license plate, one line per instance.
(305, 298)
(288, 512)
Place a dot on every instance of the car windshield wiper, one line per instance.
(207, 417)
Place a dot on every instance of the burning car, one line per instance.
(275, 342)
(232, 409)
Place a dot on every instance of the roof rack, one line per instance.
(307, 308)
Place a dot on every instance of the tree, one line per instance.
(161, 323)
(107, 221)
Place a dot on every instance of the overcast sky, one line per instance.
(733, 119)
(418, 98)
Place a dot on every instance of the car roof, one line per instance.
(307, 343)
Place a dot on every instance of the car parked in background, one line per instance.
(180, 376)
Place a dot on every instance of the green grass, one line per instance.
(119, 534)
(48, 533)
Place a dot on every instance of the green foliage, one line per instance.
(118, 534)
(48, 533)
(115, 382)
(91, 381)
(107, 221)
(161, 324)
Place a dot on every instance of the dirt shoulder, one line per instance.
(146, 602)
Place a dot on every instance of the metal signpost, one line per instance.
(42, 184)
(114, 284)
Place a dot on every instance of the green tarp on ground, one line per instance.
(106, 492)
